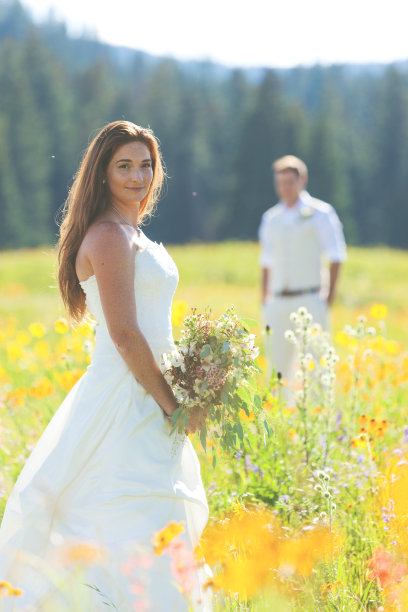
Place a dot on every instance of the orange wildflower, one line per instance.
(163, 538)
(82, 552)
(43, 388)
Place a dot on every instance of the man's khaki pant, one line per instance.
(280, 353)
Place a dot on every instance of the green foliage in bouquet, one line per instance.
(213, 372)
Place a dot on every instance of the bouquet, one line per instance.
(212, 372)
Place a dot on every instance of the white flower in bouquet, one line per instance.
(213, 375)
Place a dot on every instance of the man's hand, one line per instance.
(334, 275)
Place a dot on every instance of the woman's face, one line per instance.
(130, 173)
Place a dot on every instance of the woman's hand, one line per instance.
(197, 419)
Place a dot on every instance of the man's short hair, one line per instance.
(291, 162)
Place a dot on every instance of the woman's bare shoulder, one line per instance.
(104, 240)
(104, 230)
(105, 236)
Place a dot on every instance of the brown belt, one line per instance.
(290, 292)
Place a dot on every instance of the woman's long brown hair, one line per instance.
(89, 197)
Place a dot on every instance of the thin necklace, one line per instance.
(126, 221)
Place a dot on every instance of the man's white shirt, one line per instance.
(294, 239)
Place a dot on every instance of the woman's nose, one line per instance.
(137, 175)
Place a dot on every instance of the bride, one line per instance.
(106, 470)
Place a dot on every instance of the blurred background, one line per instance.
(227, 88)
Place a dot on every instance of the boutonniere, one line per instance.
(306, 212)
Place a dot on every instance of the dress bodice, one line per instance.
(155, 281)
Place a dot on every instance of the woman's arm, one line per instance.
(112, 257)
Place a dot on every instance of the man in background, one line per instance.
(294, 236)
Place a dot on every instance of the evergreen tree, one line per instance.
(327, 160)
(391, 172)
(12, 223)
(55, 104)
(220, 130)
(263, 140)
(28, 144)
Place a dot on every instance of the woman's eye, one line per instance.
(124, 166)
(147, 165)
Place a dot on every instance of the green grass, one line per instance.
(218, 275)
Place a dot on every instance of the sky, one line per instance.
(274, 33)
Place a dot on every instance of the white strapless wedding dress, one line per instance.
(106, 471)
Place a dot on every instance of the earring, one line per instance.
(103, 182)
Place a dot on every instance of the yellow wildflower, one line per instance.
(17, 396)
(6, 590)
(61, 326)
(393, 490)
(37, 330)
(68, 379)
(341, 338)
(82, 552)
(84, 329)
(313, 544)
(42, 349)
(317, 410)
(253, 551)
(372, 425)
(359, 441)
(61, 347)
(3, 375)
(362, 439)
(331, 587)
(246, 417)
(42, 388)
(270, 403)
(178, 313)
(261, 362)
(14, 351)
(163, 538)
(22, 338)
(76, 344)
(378, 311)
(392, 348)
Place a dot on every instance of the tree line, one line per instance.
(220, 129)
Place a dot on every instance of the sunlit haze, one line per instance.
(236, 33)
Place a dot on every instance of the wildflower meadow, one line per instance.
(308, 512)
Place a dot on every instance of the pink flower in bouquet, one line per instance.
(210, 375)
(200, 373)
